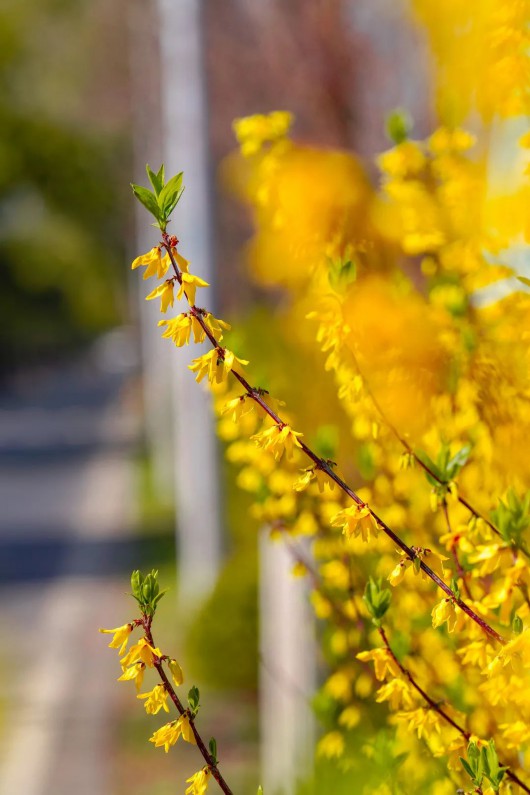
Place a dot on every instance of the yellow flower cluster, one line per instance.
(431, 366)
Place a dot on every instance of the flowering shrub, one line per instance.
(420, 553)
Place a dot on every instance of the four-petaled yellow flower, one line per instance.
(356, 520)
(141, 652)
(398, 694)
(156, 699)
(278, 440)
(383, 661)
(157, 265)
(179, 329)
(198, 782)
(238, 407)
(188, 285)
(313, 473)
(445, 611)
(215, 325)
(164, 291)
(134, 672)
(168, 734)
(215, 366)
(121, 636)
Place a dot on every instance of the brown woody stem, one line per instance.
(436, 707)
(210, 762)
(322, 464)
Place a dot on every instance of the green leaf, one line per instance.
(156, 180)
(212, 745)
(136, 583)
(148, 200)
(377, 599)
(469, 771)
(170, 194)
(517, 624)
(459, 460)
(425, 459)
(193, 699)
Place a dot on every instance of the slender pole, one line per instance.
(185, 149)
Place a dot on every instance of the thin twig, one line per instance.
(257, 396)
(436, 707)
(210, 761)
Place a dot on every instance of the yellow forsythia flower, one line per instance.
(398, 694)
(135, 672)
(212, 365)
(383, 662)
(350, 717)
(179, 329)
(141, 652)
(215, 325)
(238, 407)
(156, 699)
(254, 131)
(356, 520)
(198, 782)
(168, 734)
(189, 284)
(425, 721)
(121, 636)
(445, 611)
(304, 480)
(278, 440)
(157, 265)
(165, 293)
(331, 746)
(398, 572)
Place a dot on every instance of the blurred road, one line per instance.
(67, 515)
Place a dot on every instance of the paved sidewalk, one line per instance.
(67, 515)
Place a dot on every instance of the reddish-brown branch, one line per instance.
(210, 762)
(322, 464)
(426, 468)
(436, 707)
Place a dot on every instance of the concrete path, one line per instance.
(67, 514)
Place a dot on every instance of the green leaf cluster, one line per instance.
(377, 599)
(162, 200)
(146, 591)
(212, 747)
(446, 467)
(193, 704)
(512, 518)
(483, 762)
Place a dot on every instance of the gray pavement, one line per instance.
(67, 519)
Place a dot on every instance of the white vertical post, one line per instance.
(287, 671)
(185, 147)
(155, 352)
